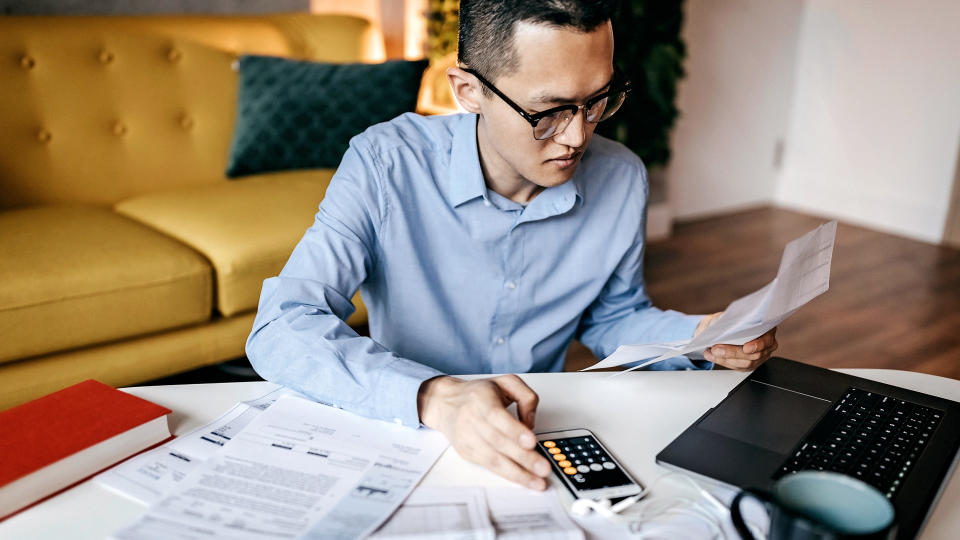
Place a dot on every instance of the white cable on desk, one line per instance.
(705, 509)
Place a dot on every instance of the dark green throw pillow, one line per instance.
(293, 114)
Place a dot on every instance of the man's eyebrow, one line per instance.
(549, 98)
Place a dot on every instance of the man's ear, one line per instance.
(466, 89)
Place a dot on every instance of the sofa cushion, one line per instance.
(301, 115)
(72, 276)
(247, 228)
(98, 109)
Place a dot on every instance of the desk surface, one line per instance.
(636, 415)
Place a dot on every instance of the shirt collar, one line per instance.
(466, 178)
(553, 201)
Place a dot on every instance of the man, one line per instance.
(482, 243)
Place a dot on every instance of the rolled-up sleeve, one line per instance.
(299, 337)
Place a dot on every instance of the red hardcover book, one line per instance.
(56, 441)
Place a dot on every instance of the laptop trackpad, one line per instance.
(767, 416)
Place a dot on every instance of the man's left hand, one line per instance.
(740, 357)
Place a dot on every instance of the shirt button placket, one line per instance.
(501, 353)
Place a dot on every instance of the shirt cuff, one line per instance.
(397, 391)
(684, 328)
(679, 363)
(681, 329)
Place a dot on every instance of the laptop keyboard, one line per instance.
(869, 436)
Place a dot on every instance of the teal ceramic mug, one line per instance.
(820, 505)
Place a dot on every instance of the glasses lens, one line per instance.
(550, 125)
(610, 105)
(595, 111)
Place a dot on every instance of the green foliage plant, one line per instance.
(650, 52)
(443, 23)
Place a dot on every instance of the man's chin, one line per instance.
(553, 176)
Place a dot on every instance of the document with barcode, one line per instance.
(803, 275)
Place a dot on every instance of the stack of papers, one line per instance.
(150, 476)
(804, 274)
(298, 469)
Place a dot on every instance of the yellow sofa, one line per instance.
(125, 253)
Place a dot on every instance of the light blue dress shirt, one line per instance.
(456, 278)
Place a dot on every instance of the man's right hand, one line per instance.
(473, 415)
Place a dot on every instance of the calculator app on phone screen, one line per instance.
(586, 464)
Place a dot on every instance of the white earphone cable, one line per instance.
(705, 509)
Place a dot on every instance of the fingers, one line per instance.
(488, 456)
(501, 434)
(732, 362)
(494, 439)
(733, 357)
(747, 356)
(474, 418)
(514, 440)
(527, 400)
(762, 343)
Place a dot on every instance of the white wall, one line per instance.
(734, 103)
(875, 123)
(865, 95)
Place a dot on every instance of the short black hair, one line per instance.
(487, 27)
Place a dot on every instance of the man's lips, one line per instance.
(566, 160)
(566, 157)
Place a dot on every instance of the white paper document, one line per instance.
(521, 514)
(299, 469)
(440, 514)
(474, 513)
(803, 275)
(151, 475)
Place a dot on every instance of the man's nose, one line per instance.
(574, 135)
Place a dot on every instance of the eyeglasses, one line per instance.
(552, 122)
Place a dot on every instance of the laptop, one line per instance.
(789, 416)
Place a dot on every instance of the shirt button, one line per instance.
(486, 202)
(398, 421)
(500, 340)
(511, 285)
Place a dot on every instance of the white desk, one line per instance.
(635, 415)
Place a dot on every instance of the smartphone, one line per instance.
(585, 466)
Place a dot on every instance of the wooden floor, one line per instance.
(893, 302)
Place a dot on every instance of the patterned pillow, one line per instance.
(293, 114)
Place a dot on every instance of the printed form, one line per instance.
(299, 469)
(803, 275)
(475, 513)
(151, 475)
(434, 513)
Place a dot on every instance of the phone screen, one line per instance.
(584, 462)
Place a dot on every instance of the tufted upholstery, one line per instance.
(125, 253)
(97, 109)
